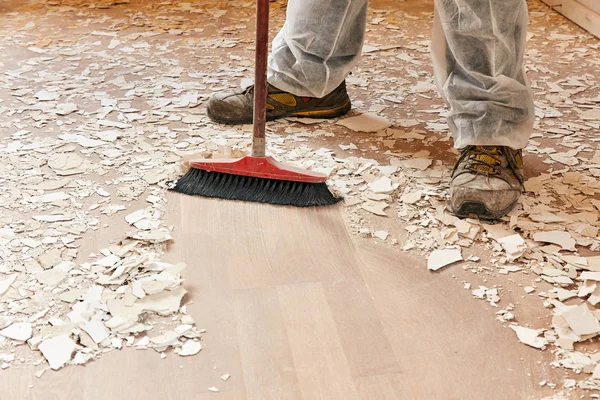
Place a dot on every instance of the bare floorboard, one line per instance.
(319, 358)
(294, 309)
(446, 342)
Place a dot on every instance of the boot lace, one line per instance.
(483, 159)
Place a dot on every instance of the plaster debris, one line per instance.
(366, 122)
(530, 337)
(96, 330)
(514, 245)
(484, 293)
(21, 331)
(190, 348)
(6, 283)
(581, 320)
(382, 185)
(381, 234)
(563, 239)
(55, 275)
(376, 208)
(439, 259)
(57, 351)
(66, 108)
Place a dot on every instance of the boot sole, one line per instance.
(476, 209)
(314, 113)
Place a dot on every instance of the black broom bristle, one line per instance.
(247, 188)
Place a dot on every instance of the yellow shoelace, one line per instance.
(485, 160)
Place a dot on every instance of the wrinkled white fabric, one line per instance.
(319, 44)
(478, 48)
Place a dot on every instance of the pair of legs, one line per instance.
(477, 51)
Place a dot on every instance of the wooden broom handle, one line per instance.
(260, 78)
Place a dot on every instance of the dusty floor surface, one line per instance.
(99, 103)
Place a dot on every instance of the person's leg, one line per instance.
(317, 47)
(478, 50)
(312, 55)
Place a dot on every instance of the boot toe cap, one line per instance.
(495, 197)
(227, 107)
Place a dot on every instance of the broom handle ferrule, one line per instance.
(260, 78)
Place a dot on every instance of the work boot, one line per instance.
(237, 108)
(487, 182)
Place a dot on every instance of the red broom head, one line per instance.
(259, 167)
(256, 179)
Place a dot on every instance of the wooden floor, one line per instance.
(294, 309)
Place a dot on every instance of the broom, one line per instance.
(257, 178)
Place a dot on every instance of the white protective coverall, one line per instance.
(477, 51)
